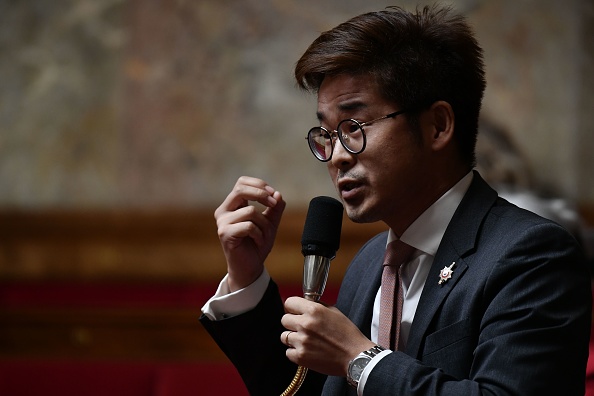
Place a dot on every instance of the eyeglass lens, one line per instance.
(350, 134)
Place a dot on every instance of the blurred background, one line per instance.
(124, 123)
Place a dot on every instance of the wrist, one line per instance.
(240, 280)
(356, 351)
(359, 362)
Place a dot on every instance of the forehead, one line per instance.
(347, 92)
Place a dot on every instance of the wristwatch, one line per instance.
(358, 364)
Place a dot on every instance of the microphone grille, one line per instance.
(321, 233)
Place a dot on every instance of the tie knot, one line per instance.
(397, 253)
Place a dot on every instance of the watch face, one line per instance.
(358, 367)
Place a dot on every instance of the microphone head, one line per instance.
(321, 233)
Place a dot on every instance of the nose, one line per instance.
(341, 157)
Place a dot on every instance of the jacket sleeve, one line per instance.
(252, 342)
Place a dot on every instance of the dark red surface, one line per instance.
(65, 377)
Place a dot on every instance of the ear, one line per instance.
(442, 125)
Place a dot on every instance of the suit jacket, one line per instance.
(514, 318)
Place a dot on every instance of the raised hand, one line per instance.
(247, 232)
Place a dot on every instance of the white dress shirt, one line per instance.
(424, 234)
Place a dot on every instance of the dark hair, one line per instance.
(416, 59)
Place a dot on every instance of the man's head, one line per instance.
(414, 84)
(415, 60)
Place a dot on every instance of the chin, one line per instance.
(359, 215)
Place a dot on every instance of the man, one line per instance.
(496, 300)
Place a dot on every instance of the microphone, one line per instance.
(319, 243)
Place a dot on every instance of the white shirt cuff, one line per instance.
(367, 370)
(225, 304)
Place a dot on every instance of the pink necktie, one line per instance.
(397, 253)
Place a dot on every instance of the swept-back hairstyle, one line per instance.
(415, 58)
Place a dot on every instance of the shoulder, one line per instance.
(372, 250)
(362, 276)
(514, 223)
(485, 220)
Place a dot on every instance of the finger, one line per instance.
(304, 315)
(274, 213)
(247, 221)
(245, 214)
(238, 231)
(289, 342)
(248, 189)
(297, 305)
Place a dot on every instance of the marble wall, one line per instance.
(164, 103)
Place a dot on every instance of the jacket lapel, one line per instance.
(360, 313)
(456, 247)
(360, 308)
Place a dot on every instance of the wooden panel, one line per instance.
(88, 252)
(162, 245)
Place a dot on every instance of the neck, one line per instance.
(427, 195)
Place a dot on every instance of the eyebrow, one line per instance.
(351, 105)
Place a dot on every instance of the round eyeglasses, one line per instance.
(350, 133)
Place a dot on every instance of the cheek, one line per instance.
(332, 171)
(391, 163)
(397, 149)
(384, 154)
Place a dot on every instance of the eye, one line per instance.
(350, 128)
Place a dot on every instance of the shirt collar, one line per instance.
(426, 232)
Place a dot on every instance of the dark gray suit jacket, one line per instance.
(514, 319)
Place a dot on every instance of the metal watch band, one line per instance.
(372, 352)
(368, 354)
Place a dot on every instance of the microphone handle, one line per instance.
(315, 275)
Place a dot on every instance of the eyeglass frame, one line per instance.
(340, 136)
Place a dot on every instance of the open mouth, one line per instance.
(348, 188)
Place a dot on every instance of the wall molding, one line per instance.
(164, 245)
